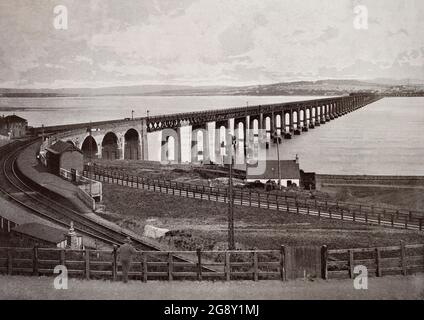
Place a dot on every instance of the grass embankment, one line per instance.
(196, 223)
(411, 199)
(399, 287)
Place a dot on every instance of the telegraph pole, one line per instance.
(278, 139)
(231, 240)
(90, 159)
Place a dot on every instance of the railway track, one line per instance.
(14, 187)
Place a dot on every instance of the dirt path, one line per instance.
(390, 287)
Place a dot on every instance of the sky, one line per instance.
(207, 42)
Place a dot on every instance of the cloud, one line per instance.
(207, 41)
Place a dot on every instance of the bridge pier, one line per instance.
(195, 129)
(221, 143)
(176, 135)
(322, 114)
(241, 135)
(144, 141)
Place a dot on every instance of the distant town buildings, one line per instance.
(13, 127)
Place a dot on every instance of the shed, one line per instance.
(64, 155)
(44, 235)
(265, 171)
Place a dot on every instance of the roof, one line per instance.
(14, 118)
(268, 169)
(60, 147)
(41, 231)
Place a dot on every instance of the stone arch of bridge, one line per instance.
(132, 149)
(110, 146)
(89, 147)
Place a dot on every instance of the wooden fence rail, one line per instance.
(210, 265)
(146, 265)
(313, 207)
(380, 261)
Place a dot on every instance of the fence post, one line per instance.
(324, 266)
(250, 198)
(227, 266)
(87, 264)
(403, 257)
(378, 262)
(144, 259)
(351, 263)
(9, 261)
(283, 263)
(62, 257)
(199, 264)
(114, 263)
(170, 266)
(35, 261)
(255, 266)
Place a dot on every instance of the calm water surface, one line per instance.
(384, 138)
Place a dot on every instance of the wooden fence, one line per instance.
(405, 219)
(214, 265)
(380, 261)
(147, 265)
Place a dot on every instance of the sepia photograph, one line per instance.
(223, 151)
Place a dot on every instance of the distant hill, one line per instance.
(120, 90)
(320, 87)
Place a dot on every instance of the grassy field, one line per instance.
(412, 199)
(19, 287)
(196, 223)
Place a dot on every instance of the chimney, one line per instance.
(297, 159)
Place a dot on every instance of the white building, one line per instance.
(265, 171)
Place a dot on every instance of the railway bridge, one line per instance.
(128, 138)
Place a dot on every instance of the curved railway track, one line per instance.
(14, 187)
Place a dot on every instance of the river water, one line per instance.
(383, 138)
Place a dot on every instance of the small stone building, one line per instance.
(64, 155)
(13, 126)
(265, 171)
(29, 234)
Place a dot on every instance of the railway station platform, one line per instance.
(30, 167)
